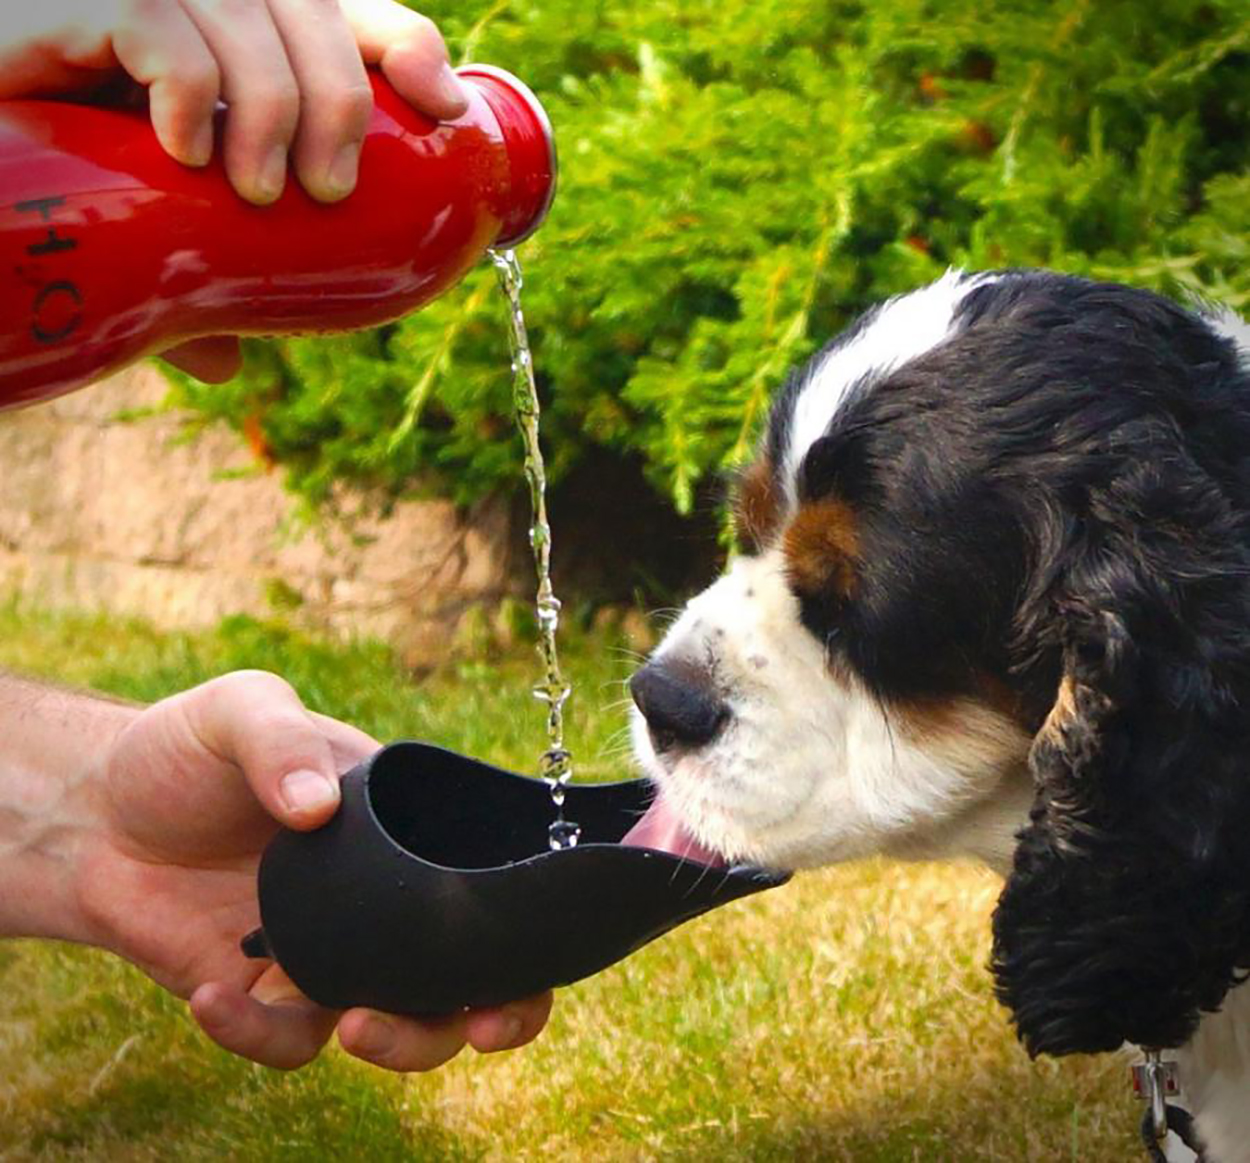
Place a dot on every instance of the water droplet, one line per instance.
(555, 765)
(564, 834)
(553, 698)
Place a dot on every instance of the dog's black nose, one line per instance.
(678, 703)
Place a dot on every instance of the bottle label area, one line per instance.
(56, 300)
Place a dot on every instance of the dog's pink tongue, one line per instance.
(660, 828)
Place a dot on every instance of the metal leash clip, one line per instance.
(1155, 1081)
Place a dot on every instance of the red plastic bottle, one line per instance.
(110, 250)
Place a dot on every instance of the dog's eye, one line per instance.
(823, 614)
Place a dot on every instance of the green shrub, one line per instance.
(738, 179)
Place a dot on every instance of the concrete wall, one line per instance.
(101, 513)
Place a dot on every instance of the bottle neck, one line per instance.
(530, 144)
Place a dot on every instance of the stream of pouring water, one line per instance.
(555, 765)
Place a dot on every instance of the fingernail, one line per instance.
(200, 151)
(272, 176)
(511, 1031)
(307, 791)
(375, 1040)
(211, 1008)
(341, 176)
(451, 89)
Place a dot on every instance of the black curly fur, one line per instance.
(1060, 492)
(1128, 908)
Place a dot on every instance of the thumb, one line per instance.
(255, 720)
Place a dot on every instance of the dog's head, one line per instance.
(996, 575)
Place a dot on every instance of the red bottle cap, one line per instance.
(531, 148)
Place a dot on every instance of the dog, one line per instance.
(993, 599)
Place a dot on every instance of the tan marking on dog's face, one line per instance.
(758, 506)
(821, 548)
(979, 747)
(966, 733)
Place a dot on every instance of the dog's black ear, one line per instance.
(1127, 911)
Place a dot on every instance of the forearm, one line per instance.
(50, 739)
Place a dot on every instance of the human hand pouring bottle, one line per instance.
(110, 250)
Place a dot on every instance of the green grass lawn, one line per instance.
(847, 1016)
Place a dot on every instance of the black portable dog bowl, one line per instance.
(433, 887)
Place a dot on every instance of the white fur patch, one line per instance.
(1215, 1075)
(1226, 322)
(903, 328)
(811, 769)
